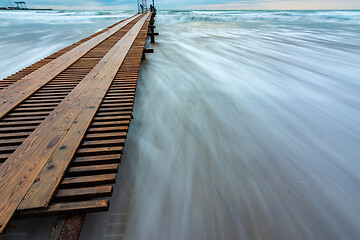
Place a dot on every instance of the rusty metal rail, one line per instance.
(62, 135)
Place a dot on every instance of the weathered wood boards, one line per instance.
(77, 119)
(17, 92)
(68, 208)
(47, 141)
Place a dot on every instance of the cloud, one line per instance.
(200, 4)
(280, 5)
(85, 4)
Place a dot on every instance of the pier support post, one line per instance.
(68, 227)
(152, 34)
(146, 50)
(152, 27)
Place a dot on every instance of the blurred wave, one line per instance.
(347, 16)
(247, 126)
(28, 36)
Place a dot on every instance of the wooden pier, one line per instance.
(64, 120)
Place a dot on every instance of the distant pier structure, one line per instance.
(22, 6)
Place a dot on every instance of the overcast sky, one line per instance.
(198, 4)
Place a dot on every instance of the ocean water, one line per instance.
(28, 36)
(246, 124)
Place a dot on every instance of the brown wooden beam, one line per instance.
(148, 50)
(68, 227)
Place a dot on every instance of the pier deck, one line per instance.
(63, 124)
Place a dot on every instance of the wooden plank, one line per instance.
(118, 113)
(25, 123)
(88, 180)
(77, 119)
(7, 142)
(15, 114)
(68, 208)
(90, 170)
(56, 101)
(14, 135)
(22, 89)
(113, 118)
(17, 129)
(7, 148)
(81, 193)
(120, 100)
(30, 118)
(100, 136)
(106, 142)
(102, 159)
(5, 156)
(99, 151)
(108, 129)
(99, 123)
(110, 123)
(30, 109)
